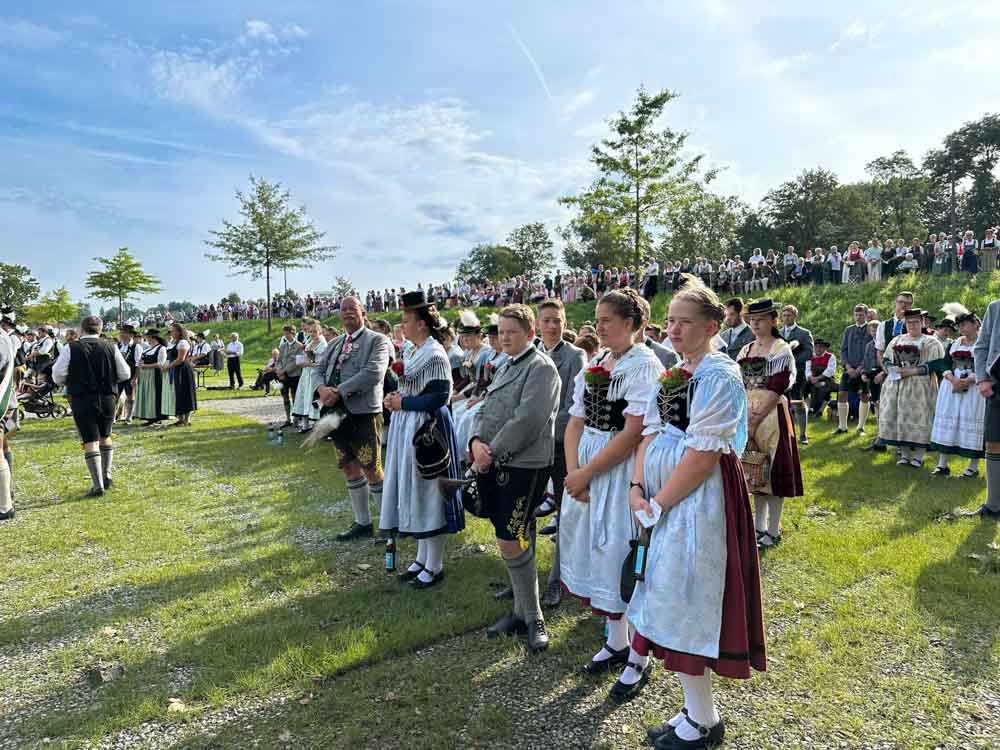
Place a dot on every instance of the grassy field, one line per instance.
(209, 575)
(826, 310)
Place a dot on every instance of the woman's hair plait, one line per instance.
(628, 304)
(706, 300)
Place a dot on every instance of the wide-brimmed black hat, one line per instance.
(154, 333)
(493, 327)
(948, 322)
(916, 313)
(761, 307)
(965, 317)
(127, 328)
(414, 300)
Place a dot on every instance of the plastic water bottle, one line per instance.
(281, 438)
(390, 555)
(271, 436)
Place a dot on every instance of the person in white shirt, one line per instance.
(91, 369)
(234, 354)
(131, 349)
(757, 257)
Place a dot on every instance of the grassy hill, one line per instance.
(825, 310)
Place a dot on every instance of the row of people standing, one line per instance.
(161, 374)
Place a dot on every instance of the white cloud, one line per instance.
(23, 34)
(203, 83)
(259, 30)
(293, 31)
(855, 30)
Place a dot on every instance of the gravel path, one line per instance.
(264, 409)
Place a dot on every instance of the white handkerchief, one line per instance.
(647, 519)
(894, 375)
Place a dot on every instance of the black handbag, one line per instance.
(634, 565)
(430, 450)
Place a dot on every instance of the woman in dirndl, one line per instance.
(149, 388)
(490, 362)
(698, 605)
(304, 413)
(768, 367)
(909, 394)
(960, 413)
(179, 394)
(411, 505)
(610, 397)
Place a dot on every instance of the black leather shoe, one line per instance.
(356, 531)
(7, 516)
(538, 638)
(941, 471)
(552, 596)
(612, 663)
(436, 578)
(551, 527)
(409, 575)
(509, 624)
(664, 729)
(95, 492)
(505, 593)
(621, 692)
(708, 737)
(107, 483)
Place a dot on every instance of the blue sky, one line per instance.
(413, 130)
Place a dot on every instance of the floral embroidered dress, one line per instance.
(959, 416)
(411, 505)
(906, 406)
(594, 536)
(700, 605)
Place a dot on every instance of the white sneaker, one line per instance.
(903, 462)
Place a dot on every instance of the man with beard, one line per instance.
(353, 369)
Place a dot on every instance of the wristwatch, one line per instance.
(641, 488)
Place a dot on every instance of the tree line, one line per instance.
(650, 198)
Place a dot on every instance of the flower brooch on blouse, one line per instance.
(596, 376)
(674, 379)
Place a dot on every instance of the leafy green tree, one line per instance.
(55, 307)
(703, 224)
(271, 235)
(122, 279)
(899, 191)
(233, 298)
(754, 230)
(643, 170)
(531, 248)
(17, 286)
(800, 209)
(593, 238)
(488, 263)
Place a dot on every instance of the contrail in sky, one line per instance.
(531, 59)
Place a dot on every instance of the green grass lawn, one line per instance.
(210, 574)
(826, 310)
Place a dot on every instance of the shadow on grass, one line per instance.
(957, 595)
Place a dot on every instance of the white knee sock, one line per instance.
(973, 464)
(435, 555)
(700, 704)
(5, 481)
(775, 506)
(617, 638)
(943, 460)
(863, 408)
(631, 676)
(421, 556)
(917, 453)
(760, 511)
(843, 409)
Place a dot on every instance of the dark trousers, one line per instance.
(819, 394)
(558, 475)
(233, 367)
(288, 387)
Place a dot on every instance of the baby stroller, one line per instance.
(39, 399)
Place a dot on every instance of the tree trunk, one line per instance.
(638, 227)
(121, 311)
(267, 282)
(952, 207)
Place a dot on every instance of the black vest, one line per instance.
(92, 370)
(129, 355)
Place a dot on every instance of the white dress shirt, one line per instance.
(60, 370)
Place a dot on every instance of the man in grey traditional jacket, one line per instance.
(985, 355)
(353, 369)
(288, 368)
(801, 341)
(512, 454)
(737, 333)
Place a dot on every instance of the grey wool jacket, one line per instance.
(517, 419)
(987, 347)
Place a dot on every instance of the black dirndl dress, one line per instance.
(184, 384)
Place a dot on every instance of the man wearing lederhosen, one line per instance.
(512, 454)
(353, 370)
(288, 369)
(131, 349)
(801, 341)
(91, 369)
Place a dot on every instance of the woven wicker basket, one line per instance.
(757, 467)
